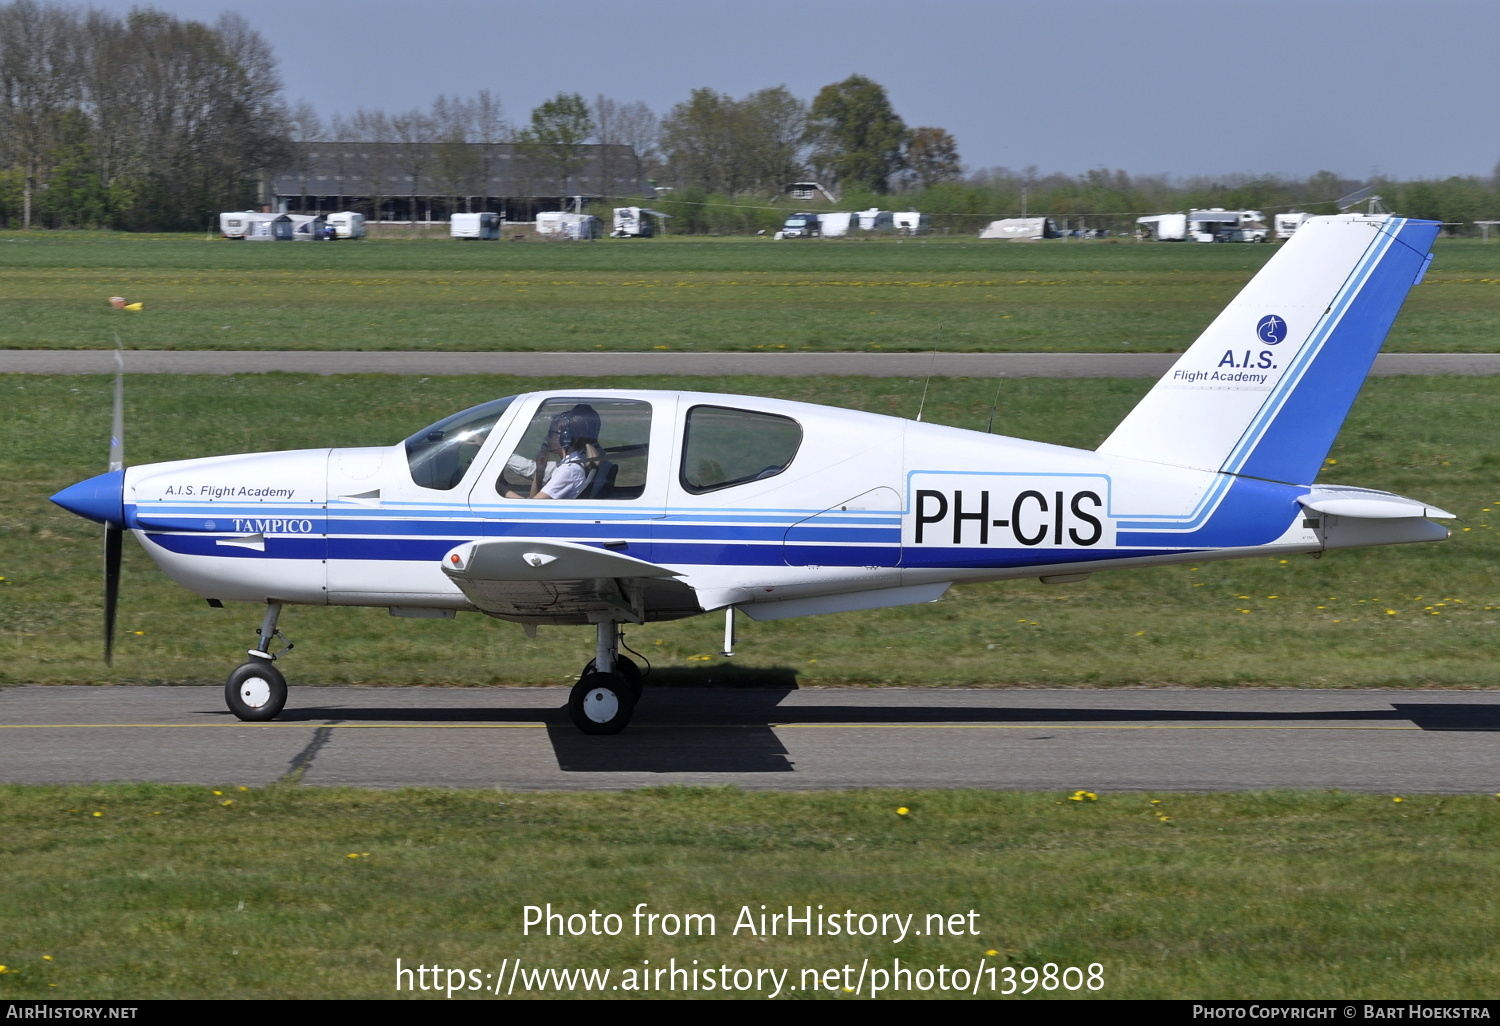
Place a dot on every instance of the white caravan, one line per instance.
(837, 224)
(1288, 223)
(348, 224)
(1021, 228)
(635, 222)
(875, 220)
(240, 224)
(911, 222)
(474, 226)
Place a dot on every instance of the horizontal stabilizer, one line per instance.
(1367, 504)
(535, 559)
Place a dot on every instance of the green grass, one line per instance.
(676, 294)
(1299, 621)
(188, 892)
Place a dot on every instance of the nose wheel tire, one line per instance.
(601, 703)
(625, 667)
(255, 691)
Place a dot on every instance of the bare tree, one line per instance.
(373, 127)
(641, 131)
(457, 161)
(304, 126)
(414, 133)
(491, 129)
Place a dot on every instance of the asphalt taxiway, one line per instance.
(1133, 739)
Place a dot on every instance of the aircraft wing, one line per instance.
(535, 580)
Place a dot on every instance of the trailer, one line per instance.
(1164, 227)
(911, 222)
(876, 220)
(1219, 225)
(636, 222)
(1288, 223)
(1212, 225)
(1021, 229)
(837, 224)
(474, 226)
(240, 224)
(347, 224)
(561, 224)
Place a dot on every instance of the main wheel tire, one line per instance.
(625, 667)
(601, 703)
(255, 691)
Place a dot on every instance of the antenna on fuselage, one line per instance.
(930, 364)
(989, 428)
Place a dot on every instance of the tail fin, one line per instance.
(1266, 387)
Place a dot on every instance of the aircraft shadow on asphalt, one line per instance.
(713, 721)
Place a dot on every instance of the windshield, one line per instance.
(440, 455)
(796, 222)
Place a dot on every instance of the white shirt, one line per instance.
(569, 479)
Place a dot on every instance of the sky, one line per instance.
(1180, 87)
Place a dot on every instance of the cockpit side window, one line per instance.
(581, 448)
(726, 447)
(440, 455)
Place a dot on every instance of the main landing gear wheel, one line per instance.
(601, 703)
(255, 691)
(625, 667)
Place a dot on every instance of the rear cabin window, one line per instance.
(726, 447)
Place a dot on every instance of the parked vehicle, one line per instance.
(911, 222)
(347, 224)
(1288, 223)
(1021, 228)
(801, 226)
(875, 220)
(635, 222)
(474, 226)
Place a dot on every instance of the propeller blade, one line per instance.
(114, 538)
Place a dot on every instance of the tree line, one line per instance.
(146, 122)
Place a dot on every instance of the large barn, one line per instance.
(394, 181)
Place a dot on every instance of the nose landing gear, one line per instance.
(256, 690)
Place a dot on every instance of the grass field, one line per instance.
(676, 294)
(152, 891)
(1405, 616)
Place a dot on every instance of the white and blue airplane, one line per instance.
(606, 507)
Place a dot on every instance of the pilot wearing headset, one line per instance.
(575, 434)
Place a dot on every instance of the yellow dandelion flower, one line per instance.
(1398, 799)
(98, 814)
(902, 811)
(227, 801)
(992, 952)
